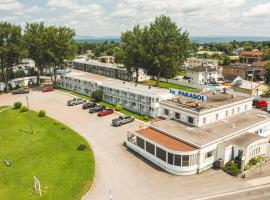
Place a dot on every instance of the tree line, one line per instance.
(48, 46)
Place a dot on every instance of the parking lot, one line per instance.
(126, 174)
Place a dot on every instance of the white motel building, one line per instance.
(195, 133)
(138, 98)
(194, 130)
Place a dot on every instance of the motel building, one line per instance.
(198, 129)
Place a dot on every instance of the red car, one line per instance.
(105, 112)
(261, 104)
(47, 89)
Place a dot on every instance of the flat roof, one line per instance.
(86, 76)
(214, 100)
(165, 140)
(96, 63)
(135, 87)
(214, 132)
(245, 140)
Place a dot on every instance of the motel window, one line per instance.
(232, 111)
(238, 109)
(177, 115)
(166, 111)
(185, 160)
(204, 120)
(177, 160)
(140, 142)
(150, 148)
(209, 154)
(170, 158)
(190, 120)
(227, 113)
(216, 116)
(245, 107)
(161, 154)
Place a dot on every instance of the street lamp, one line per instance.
(29, 115)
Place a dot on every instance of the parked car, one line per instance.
(261, 104)
(47, 89)
(122, 120)
(75, 101)
(88, 105)
(97, 108)
(20, 91)
(105, 112)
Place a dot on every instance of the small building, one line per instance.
(249, 87)
(249, 57)
(201, 54)
(19, 82)
(106, 59)
(25, 65)
(203, 75)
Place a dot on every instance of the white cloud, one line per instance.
(10, 5)
(261, 10)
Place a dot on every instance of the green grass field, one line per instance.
(169, 85)
(50, 154)
(124, 111)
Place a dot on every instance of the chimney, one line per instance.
(149, 87)
(136, 84)
(124, 82)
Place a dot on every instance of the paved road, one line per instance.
(127, 175)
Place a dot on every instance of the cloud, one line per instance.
(10, 5)
(260, 10)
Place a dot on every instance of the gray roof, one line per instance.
(215, 132)
(245, 140)
(201, 69)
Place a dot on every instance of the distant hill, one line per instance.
(196, 39)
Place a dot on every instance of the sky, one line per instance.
(111, 17)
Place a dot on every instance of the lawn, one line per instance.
(50, 154)
(124, 111)
(169, 85)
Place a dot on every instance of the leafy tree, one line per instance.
(133, 50)
(166, 46)
(60, 46)
(267, 74)
(34, 37)
(11, 49)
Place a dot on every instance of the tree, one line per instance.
(11, 49)
(97, 95)
(133, 50)
(34, 37)
(267, 73)
(60, 46)
(167, 47)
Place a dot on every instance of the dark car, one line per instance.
(75, 101)
(89, 105)
(96, 109)
(20, 91)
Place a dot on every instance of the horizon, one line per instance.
(201, 18)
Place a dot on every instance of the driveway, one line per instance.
(123, 172)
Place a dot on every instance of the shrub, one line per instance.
(42, 113)
(247, 166)
(118, 107)
(97, 95)
(17, 105)
(232, 167)
(145, 118)
(23, 109)
(255, 160)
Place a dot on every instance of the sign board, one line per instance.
(191, 95)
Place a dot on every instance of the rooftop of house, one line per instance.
(214, 100)
(201, 69)
(244, 66)
(254, 53)
(219, 131)
(86, 76)
(165, 140)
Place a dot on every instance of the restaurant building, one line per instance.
(195, 133)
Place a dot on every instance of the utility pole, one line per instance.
(29, 116)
